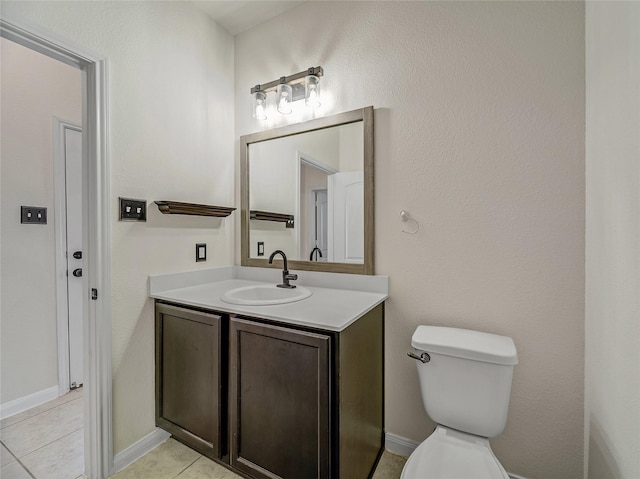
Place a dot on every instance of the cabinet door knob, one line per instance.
(77, 272)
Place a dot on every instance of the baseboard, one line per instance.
(27, 402)
(139, 449)
(399, 445)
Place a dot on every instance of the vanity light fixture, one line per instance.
(305, 84)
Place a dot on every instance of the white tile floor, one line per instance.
(45, 442)
(174, 460)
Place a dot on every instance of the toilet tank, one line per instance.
(467, 383)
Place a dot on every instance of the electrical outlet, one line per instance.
(36, 215)
(133, 210)
(260, 248)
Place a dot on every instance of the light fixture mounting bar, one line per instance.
(289, 80)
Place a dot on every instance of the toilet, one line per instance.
(465, 381)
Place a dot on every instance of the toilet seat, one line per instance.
(451, 454)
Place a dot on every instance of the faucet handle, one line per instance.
(286, 277)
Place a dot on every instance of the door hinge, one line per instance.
(94, 293)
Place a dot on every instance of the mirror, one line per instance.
(307, 189)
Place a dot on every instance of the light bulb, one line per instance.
(284, 94)
(259, 105)
(312, 91)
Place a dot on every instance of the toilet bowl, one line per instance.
(465, 381)
(452, 454)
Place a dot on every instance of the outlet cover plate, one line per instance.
(201, 252)
(133, 210)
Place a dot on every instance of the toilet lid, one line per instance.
(448, 454)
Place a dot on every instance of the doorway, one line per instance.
(35, 88)
(96, 276)
(312, 208)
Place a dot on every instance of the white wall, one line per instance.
(351, 147)
(479, 135)
(273, 168)
(34, 90)
(612, 412)
(170, 138)
(274, 184)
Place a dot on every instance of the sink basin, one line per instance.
(264, 294)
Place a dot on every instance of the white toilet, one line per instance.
(465, 380)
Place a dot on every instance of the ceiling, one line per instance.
(236, 16)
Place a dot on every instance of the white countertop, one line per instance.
(331, 309)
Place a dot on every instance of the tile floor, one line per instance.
(45, 442)
(173, 460)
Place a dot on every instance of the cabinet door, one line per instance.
(189, 395)
(279, 401)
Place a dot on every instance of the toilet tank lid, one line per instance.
(465, 343)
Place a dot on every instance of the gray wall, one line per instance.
(612, 415)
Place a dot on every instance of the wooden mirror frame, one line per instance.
(365, 115)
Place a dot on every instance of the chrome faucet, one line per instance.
(286, 276)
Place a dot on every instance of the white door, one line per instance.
(73, 188)
(69, 254)
(346, 217)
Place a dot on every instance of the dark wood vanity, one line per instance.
(269, 399)
(288, 391)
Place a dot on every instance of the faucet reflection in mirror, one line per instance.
(305, 84)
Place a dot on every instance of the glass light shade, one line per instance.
(283, 98)
(312, 91)
(260, 105)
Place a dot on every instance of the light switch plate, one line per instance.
(133, 210)
(33, 215)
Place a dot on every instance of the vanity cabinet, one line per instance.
(300, 402)
(190, 380)
(279, 400)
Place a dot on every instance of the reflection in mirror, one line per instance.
(316, 177)
(308, 190)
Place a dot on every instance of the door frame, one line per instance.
(98, 450)
(62, 291)
(312, 212)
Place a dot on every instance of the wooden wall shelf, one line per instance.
(269, 216)
(179, 208)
